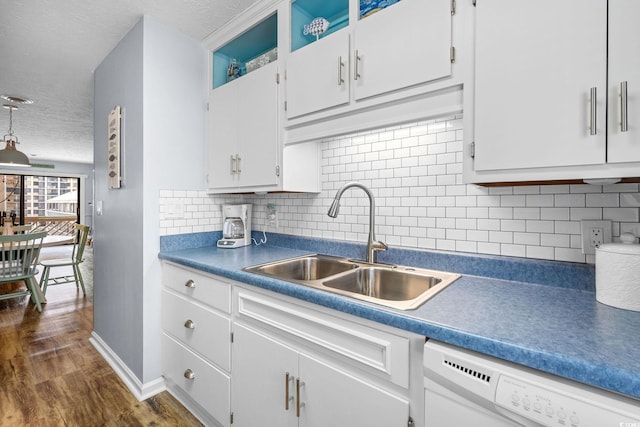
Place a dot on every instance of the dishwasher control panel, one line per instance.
(557, 404)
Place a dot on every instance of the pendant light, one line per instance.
(10, 156)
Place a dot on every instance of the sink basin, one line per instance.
(384, 283)
(312, 267)
(399, 287)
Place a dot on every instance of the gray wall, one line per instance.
(157, 76)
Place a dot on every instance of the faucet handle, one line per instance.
(373, 248)
(379, 245)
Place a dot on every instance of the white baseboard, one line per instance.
(138, 389)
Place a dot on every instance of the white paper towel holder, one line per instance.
(618, 273)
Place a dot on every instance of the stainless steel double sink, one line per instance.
(398, 287)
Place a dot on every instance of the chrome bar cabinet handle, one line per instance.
(286, 391)
(340, 66)
(232, 165)
(624, 118)
(593, 97)
(356, 60)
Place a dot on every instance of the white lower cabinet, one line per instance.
(294, 366)
(261, 369)
(235, 356)
(192, 379)
(196, 343)
(277, 385)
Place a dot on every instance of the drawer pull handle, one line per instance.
(189, 374)
(190, 284)
(189, 324)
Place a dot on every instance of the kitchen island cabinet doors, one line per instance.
(536, 63)
(243, 132)
(276, 385)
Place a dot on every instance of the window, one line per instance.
(39, 199)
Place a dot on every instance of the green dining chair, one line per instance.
(19, 254)
(74, 261)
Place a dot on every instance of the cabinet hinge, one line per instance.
(277, 170)
(231, 418)
(472, 150)
(277, 78)
(285, 105)
(453, 7)
(410, 422)
(207, 106)
(452, 54)
(231, 337)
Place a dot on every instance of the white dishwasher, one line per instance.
(465, 388)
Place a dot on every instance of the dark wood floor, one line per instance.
(50, 375)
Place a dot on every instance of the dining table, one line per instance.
(57, 240)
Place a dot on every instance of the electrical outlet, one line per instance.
(272, 215)
(594, 234)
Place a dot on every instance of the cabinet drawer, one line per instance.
(374, 350)
(207, 332)
(199, 286)
(209, 387)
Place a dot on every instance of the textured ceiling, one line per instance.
(50, 48)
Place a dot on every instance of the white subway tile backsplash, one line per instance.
(569, 255)
(554, 213)
(540, 226)
(513, 250)
(630, 200)
(540, 252)
(621, 214)
(555, 240)
(415, 172)
(602, 200)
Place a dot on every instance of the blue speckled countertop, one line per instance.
(557, 327)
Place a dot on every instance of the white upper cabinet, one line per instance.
(243, 145)
(318, 78)
(244, 148)
(536, 65)
(406, 45)
(543, 107)
(364, 60)
(624, 81)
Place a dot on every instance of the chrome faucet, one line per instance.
(372, 245)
